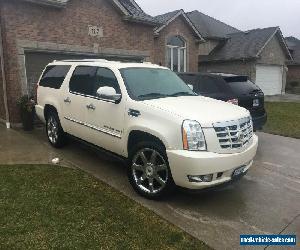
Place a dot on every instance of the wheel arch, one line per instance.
(49, 108)
(137, 135)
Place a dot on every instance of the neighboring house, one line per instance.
(36, 32)
(293, 76)
(260, 53)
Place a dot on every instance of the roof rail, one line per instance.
(83, 60)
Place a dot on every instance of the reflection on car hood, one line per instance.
(202, 109)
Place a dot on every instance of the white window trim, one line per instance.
(179, 57)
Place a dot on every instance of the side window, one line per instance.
(190, 80)
(82, 80)
(54, 76)
(208, 85)
(105, 78)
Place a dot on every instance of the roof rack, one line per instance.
(83, 60)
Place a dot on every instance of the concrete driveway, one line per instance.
(266, 201)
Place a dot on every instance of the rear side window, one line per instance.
(54, 76)
(207, 85)
(189, 79)
(246, 87)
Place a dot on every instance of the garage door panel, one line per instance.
(269, 79)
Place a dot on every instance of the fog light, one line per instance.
(200, 178)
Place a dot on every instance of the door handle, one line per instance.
(67, 100)
(91, 106)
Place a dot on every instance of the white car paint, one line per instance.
(109, 125)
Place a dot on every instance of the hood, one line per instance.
(202, 109)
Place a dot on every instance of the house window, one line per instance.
(176, 54)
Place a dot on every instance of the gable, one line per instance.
(247, 45)
(168, 18)
(273, 53)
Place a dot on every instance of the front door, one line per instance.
(105, 117)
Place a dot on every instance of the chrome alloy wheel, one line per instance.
(52, 129)
(150, 171)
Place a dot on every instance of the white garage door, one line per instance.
(269, 79)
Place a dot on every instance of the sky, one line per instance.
(242, 14)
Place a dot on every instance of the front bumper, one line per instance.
(39, 110)
(259, 121)
(184, 163)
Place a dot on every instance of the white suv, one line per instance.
(148, 115)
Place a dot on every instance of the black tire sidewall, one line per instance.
(169, 188)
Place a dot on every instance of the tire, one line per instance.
(149, 172)
(54, 131)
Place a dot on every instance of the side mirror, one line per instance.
(108, 93)
(191, 86)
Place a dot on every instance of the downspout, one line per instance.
(3, 76)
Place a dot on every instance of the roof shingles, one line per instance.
(136, 12)
(241, 45)
(210, 27)
(294, 45)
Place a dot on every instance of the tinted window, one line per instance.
(83, 79)
(209, 84)
(87, 80)
(243, 87)
(105, 78)
(54, 76)
(189, 79)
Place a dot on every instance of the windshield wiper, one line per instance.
(183, 94)
(152, 95)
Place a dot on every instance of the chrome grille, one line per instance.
(234, 134)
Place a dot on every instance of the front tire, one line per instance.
(149, 172)
(55, 133)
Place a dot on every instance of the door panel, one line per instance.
(75, 115)
(75, 101)
(106, 118)
(106, 124)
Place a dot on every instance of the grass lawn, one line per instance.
(44, 207)
(283, 119)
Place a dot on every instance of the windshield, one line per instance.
(148, 83)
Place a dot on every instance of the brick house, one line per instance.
(293, 76)
(260, 54)
(36, 32)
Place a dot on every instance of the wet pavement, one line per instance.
(265, 201)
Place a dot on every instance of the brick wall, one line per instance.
(293, 75)
(177, 27)
(207, 47)
(27, 21)
(273, 53)
(237, 67)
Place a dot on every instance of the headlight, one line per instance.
(192, 136)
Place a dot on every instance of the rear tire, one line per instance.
(149, 172)
(56, 135)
